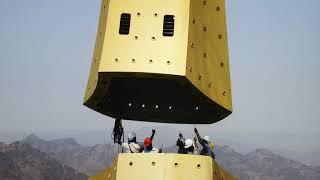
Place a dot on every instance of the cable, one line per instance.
(122, 139)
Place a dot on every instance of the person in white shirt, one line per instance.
(132, 146)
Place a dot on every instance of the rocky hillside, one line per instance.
(260, 164)
(86, 159)
(20, 161)
(263, 164)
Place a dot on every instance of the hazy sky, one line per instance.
(46, 49)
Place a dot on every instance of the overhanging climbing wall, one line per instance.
(207, 58)
(161, 61)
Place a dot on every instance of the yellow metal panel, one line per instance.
(208, 59)
(93, 77)
(188, 167)
(110, 173)
(141, 166)
(168, 54)
(163, 167)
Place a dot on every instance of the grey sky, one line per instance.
(46, 49)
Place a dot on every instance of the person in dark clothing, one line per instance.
(180, 144)
(186, 146)
(205, 143)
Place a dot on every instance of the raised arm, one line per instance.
(201, 141)
(195, 142)
(152, 135)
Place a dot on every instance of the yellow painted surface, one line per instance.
(187, 167)
(163, 167)
(110, 173)
(145, 26)
(93, 76)
(208, 58)
(141, 167)
(197, 53)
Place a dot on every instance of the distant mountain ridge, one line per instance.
(20, 161)
(265, 165)
(86, 159)
(259, 164)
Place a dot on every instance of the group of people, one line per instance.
(189, 146)
(132, 146)
(185, 146)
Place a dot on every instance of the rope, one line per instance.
(122, 139)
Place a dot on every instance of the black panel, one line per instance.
(168, 25)
(125, 23)
(147, 97)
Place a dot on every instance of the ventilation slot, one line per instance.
(168, 25)
(125, 23)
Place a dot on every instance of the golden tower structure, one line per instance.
(161, 61)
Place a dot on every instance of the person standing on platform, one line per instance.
(180, 143)
(148, 147)
(133, 146)
(205, 143)
(186, 146)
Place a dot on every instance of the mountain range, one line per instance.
(260, 164)
(287, 145)
(85, 159)
(20, 161)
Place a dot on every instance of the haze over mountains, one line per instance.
(296, 147)
(259, 164)
(85, 159)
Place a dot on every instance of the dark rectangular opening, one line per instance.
(168, 25)
(125, 23)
